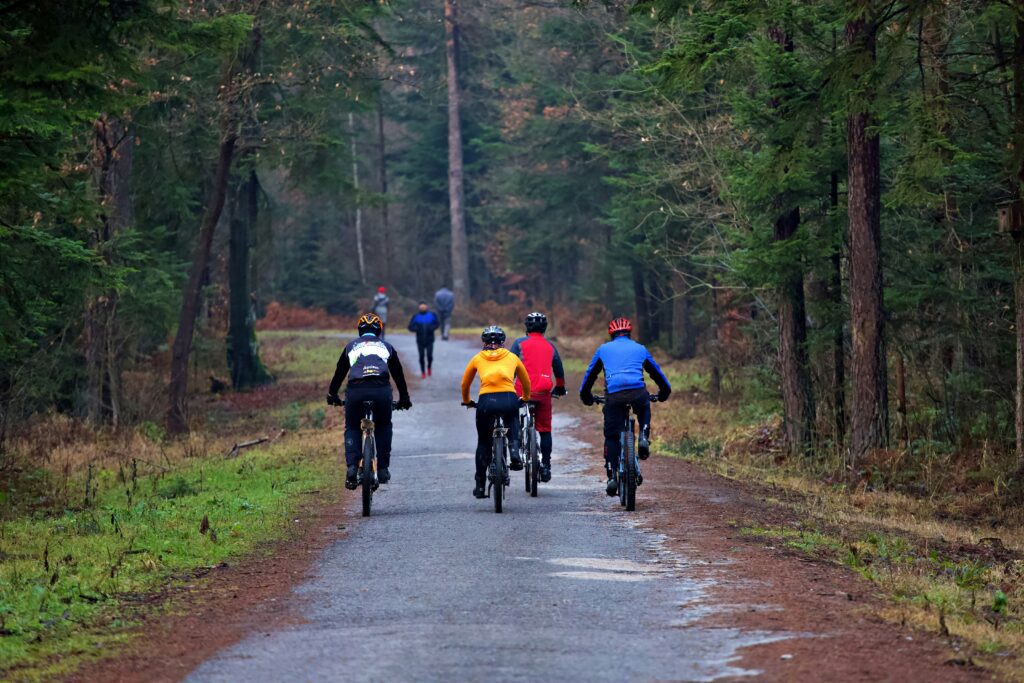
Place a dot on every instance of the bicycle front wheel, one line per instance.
(369, 460)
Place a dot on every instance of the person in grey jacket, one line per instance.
(444, 304)
(380, 307)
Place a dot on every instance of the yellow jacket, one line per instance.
(498, 370)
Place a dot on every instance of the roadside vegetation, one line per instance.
(106, 523)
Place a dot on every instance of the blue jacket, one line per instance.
(424, 324)
(624, 361)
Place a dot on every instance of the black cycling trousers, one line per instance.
(489, 407)
(545, 448)
(615, 411)
(355, 411)
(426, 351)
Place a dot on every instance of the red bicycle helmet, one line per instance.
(619, 325)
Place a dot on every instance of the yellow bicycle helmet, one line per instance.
(370, 322)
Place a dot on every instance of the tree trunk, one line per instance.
(360, 252)
(456, 194)
(797, 400)
(642, 327)
(902, 427)
(714, 346)
(838, 343)
(112, 163)
(870, 429)
(191, 296)
(177, 413)
(1018, 260)
(243, 352)
(382, 167)
(1018, 290)
(683, 341)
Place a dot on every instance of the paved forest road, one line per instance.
(436, 586)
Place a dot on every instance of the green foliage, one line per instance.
(63, 576)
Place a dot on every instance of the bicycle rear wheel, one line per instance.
(524, 453)
(369, 457)
(497, 471)
(628, 487)
(534, 461)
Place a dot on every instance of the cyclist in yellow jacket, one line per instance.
(498, 370)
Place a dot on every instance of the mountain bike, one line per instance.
(366, 478)
(529, 447)
(497, 472)
(628, 475)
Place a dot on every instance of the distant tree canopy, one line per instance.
(804, 192)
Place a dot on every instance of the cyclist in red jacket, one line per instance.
(547, 379)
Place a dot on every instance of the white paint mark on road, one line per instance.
(602, 576)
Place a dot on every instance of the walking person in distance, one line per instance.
(423, 324)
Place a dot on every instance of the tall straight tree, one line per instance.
(456, 193)
(230, 90)
(112, 170)
(870, 423)
(797, 399)
(247, 370)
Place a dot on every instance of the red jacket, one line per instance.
(542, 363)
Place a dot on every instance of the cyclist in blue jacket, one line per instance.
(623, 362)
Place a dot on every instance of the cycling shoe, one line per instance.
(612, 488)
(383, 475)
(643, 449)
(351, 475)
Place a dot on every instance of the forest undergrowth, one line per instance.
(95, 526)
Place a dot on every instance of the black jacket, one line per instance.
(369, 360)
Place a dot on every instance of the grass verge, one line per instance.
(975, 601)
(65, 578)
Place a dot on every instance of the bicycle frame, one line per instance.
(528, 447)
(628, 431)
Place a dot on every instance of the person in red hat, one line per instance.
(380, 305)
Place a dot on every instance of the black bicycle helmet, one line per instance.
(536, 322)
(370, 323)
(493, 334)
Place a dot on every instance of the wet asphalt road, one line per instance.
(437, 587)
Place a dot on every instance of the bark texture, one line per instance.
(797, 399)
(456, 194)
(382, 166)
(243, 352)
(870, 425)
(794, 370)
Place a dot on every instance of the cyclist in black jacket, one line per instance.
(370, 364)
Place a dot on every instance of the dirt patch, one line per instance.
(182, 627)
(760, 585)
(777, 588)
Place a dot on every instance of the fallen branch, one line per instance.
(245, 444)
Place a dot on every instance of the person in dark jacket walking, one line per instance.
(370, 364)
(424, 323)
(444, 304)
